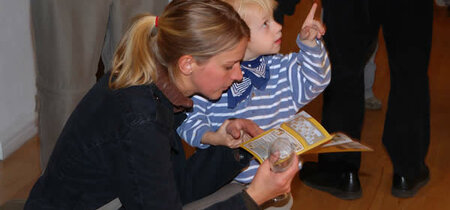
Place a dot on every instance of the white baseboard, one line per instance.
(16, 140)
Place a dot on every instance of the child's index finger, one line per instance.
(311, 13)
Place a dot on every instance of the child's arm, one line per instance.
(311, 29)
(306, 73)
(309, 72)
(232, 133)
(221, 137)
(198, 131)
(196, 124)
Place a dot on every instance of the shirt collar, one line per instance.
(254, 73)
(170, 90)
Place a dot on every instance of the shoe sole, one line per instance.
(337, 193)
(409, 193)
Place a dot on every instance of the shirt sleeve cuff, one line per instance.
(315, 50)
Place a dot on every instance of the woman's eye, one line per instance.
(228, 67)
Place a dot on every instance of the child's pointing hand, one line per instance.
(311, 29)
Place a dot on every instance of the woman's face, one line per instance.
(216, 75)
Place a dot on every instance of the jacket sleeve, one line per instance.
(196, 123)
(150, 178)
(212, 168)
(145, 173)
(209, 169)
(239, 201)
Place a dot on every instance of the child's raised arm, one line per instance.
(311, 29)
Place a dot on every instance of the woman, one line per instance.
(121, 142)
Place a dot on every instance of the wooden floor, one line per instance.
(20, 171)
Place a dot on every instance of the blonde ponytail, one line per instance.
(134, 60)
(200, 28)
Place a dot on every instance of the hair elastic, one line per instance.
(156, 21)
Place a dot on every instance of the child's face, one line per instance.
(265, 33)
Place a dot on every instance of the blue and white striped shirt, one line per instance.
(295, 80)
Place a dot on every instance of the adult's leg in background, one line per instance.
(350, 39)
(369, 74)
(68, 40)
(121, 15)
(284, 7)
(371, 102)
(407, 30)
(70, 36)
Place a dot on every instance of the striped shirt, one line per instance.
(295, 80)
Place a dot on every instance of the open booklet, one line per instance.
(306, 136)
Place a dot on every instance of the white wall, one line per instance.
(17, 77)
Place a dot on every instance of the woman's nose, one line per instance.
(236, 74)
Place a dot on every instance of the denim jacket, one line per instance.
(122, 143)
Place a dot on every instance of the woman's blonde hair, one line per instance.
(200, 28)
(243, 6)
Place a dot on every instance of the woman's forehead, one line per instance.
(234, 54)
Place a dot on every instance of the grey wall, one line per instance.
(17, 77)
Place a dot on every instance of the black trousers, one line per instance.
(352, 32)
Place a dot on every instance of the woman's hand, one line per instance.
(311, 29)
(267, 184)
(232, 133)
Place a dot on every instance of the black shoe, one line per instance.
(344, 185)
(406, 187)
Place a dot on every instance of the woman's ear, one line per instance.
(185, 64)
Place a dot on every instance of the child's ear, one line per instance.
(185, 64)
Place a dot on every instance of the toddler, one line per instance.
(273, 88)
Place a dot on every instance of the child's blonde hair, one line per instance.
(242, 6)
(201, 28)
